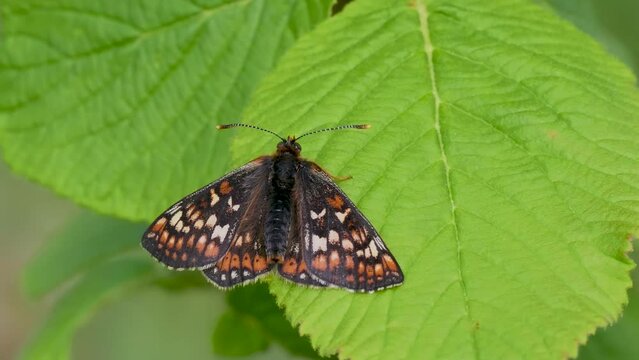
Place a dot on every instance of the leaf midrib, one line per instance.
(422, 12)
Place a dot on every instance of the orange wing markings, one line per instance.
(159, 225)
(225, 187)
(259, 263)
(336, 202)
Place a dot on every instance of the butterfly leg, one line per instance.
(341, 178)
(338, 178)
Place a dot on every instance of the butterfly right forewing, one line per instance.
(198, 230)
(339, 245)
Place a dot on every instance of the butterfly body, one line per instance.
(277, 212)
(282, 180)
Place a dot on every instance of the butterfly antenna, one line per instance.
(341, 127)
(228, 126)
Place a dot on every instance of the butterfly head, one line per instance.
(290, 145)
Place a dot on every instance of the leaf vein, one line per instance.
(422, 13)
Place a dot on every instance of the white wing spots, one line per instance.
(246, 273)
(220, 232)
(333, 237)
(214, 197)
(359, 253)
(342, 215)
(302, 276)
(223, 277)
(186, 229)
(319, 243)
(212, 220)
(315, 215)
(195, 215)
(248, 238)
(367, 252)
(190, 210)
(173, 209)
(234, 207)
(373, 249)
(233, 274)
(238, 242)
(199, 224)
(347, 245)
(176, 217)
(179, 226)
(379, 242)
(215, 270)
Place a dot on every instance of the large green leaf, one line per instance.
(501, 170)
(53, 341)
(113, 103)
(86, 242)
(618, 342)
(252, 321)
(237, 335)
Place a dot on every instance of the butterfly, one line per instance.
(276, 212)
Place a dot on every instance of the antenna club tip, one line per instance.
(364, 126)
(222, 127)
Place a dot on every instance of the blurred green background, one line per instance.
(29, 215)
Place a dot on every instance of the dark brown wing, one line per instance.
(198, 230)
(245, 260)
(293, 266)
(339, 245)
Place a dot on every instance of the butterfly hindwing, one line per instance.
(339, 245)
(293, 266)
(198, 230)
(245, 259)
(244, 262)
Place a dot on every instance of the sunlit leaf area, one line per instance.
(500, 165)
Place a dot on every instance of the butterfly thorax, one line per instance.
(281, 183)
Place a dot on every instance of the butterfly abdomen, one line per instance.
(278, 217)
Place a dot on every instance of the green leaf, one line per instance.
(87, 241)
(114, 103)
(252, 322)
(237, 335)
(500, 169)
(180, 280)
(618, 342)
(53, 341)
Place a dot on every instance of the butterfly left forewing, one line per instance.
(339, 244)
(198, 230)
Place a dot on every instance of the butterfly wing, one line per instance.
(293, 266)
(245, 260)
(198, 230)
(339, 245)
